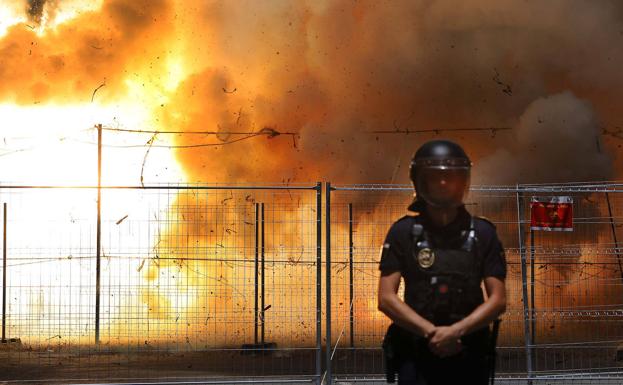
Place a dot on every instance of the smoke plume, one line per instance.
(35, 10)
(334, 90)
(557, 139)
(334, 73)
(118, 44)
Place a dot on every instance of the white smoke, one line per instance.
(557, 139)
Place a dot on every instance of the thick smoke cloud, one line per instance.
(557, 139)
(334, 72)
(35, 10)
(120, 42)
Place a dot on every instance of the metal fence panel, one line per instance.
(569, 379)
(576, 287)
(573, 280)
(224, 283)
(195, 281)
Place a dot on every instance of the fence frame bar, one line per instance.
(328, 377)
(4, 285)
(318, 189)
(351, 303)
(524, 282)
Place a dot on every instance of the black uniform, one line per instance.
(442, 269)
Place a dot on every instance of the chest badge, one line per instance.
(426, 258)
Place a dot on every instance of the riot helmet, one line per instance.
(440, 172)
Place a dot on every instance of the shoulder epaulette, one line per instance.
(409, 215)
(485, 219)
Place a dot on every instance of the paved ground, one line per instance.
(84, 366)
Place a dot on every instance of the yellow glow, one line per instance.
(9, 15)
(52, 234)
(176, 73)
(68, 9)
(181, 297)
(57, 145)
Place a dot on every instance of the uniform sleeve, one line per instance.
(392, 254)
(494, 258)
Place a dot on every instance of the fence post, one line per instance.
(328, 278)
(318, 282)
(524, 283)
(350, 275)
(256, 275)
(532, 307)
(4, 276)
(262, 271)
(99, 234)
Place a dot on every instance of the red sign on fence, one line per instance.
(551, 213)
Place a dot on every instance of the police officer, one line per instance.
(440, 332)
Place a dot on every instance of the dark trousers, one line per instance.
(464, 368)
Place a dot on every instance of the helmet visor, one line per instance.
(443, 186)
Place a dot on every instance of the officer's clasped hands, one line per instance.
(445, 341)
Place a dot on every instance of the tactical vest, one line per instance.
(444, 282)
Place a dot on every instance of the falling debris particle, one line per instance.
(267, 307)
(95, 90)
(506, 88)
(150, 143)
(229, 92)
(121, 220)
(140, 267)
(239, 116)
(56, 336)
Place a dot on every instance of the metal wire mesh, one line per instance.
(576, 288)
(574, 279)
(195, 281)
(573, 379)
(223, 284)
